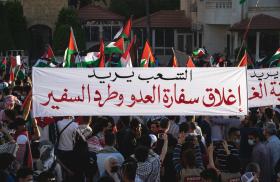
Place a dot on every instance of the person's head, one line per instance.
(24, 175)
(209, 175)
(269, 129)
(190, 118)
(145, 140)
(234, 135)
(128, 170)
(110, 138)
(184, 127)
(141, 153)
(111, 165)
(153, 126)
(136, 127)
(164, 125)
(253, 168)
(188, 158)
(192, 126)
(268, 114)
(101, 125)
(254, 137)
(20, 124)
(10, 115)
(233, 164)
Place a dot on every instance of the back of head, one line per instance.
(141, 153)
(99, 125)
(109, 138)
(128, 169)
(134, 123)
(164, 123)
(146, 141)
(184, 127)
(270, 128)
(268, 112)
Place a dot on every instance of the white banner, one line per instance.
(139, 91)
(263, 87)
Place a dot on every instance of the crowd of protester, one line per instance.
(133, 148)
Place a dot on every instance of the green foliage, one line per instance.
(6, 41)
(67, 18)
(14, 33)
(137, 7)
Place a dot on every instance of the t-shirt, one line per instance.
(66, 142)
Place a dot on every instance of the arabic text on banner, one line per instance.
(263, 87)
(139, 91)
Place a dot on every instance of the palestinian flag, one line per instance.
(190, 63)
(245, 61)
(43, 63)
(90, 60)
(147, 58)
(26, 106)
(21, 73)
(101, 55)
(115, 47)
(3, 66)
(174, 61)
(13, 66)
(124, 32)
(49, 55)
(275, 59)
(242, 1)
(71, 51)
(199, 52)
(126, 58)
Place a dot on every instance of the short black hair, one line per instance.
(146, 141)
(232, 130)
(255, 134)
(134, 123)
(129, 168)
(268, 113)
(184, 127)
(24, 172)
(141, 153)
(164, 122)
(109, 138)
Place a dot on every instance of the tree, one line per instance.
(17, 24)
(67, 18)
(6, 41)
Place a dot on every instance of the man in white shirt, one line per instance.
(67, 129)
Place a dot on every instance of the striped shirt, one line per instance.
(221, 155)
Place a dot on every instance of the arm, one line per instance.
(177, 153)
(36, 131)
(164, 148)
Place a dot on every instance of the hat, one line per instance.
(270, 127)
(153, 139)
(247, 177)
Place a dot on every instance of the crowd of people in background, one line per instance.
(134, 148)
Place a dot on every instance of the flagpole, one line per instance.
(246, 32)
(75, 44)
